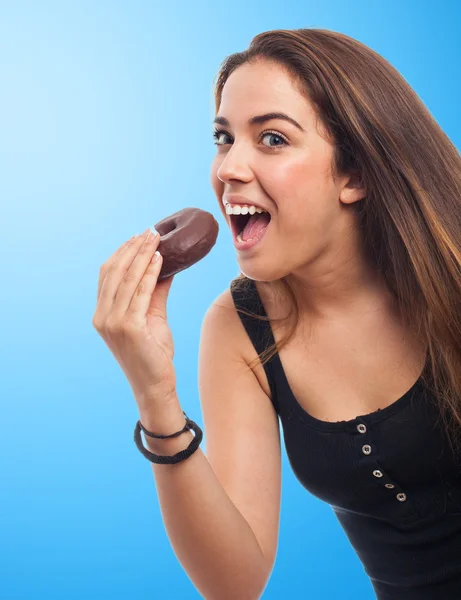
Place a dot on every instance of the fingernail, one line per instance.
(154, 231)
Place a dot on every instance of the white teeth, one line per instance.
(243, 210)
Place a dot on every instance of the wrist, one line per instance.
(163, 419)
(156, 401)
(166, 422)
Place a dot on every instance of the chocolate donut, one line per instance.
(185, 238)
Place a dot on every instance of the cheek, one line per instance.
(307, 175)
(294, 186)
(303, 195)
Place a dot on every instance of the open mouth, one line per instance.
(239, 222)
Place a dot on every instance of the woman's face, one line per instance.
(281, 167)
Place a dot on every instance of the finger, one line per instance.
(158, 301)
(146, 298)
(133, 275)
(104, 268)
(115, 273)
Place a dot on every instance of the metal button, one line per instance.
(389, 485)
(401, 497)
(377, 473)
(361, 428)
(366, 449)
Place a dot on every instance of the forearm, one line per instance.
(210, 537)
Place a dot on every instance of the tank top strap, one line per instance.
(246, 297)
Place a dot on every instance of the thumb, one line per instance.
(159, 298)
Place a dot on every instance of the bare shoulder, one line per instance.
(224, 315)
(227, 319)
(224, 300)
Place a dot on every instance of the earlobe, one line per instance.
(349, 196)
(353, 191)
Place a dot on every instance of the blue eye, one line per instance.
(218, 132)
(275, 135)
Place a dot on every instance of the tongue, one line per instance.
(255, 225)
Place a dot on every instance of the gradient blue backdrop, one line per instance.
(105, 128)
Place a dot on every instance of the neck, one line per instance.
(344, 292)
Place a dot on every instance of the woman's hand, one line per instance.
(131, 318)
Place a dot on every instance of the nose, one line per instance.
(234, 166)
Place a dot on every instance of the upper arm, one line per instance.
(241, 425)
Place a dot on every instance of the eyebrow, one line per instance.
(259, 119)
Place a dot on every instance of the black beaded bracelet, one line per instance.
(162, 437)
(175, 458)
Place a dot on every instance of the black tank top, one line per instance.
(390, 477)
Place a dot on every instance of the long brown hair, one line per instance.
(411, 216)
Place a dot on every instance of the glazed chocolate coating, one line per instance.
(185, 238)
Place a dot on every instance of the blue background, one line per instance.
(105, 128)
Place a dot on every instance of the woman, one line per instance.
(361, 247)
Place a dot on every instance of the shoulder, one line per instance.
(223, 322)
(222, 312)
(224, 300)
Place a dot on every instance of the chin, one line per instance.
(263, 273)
